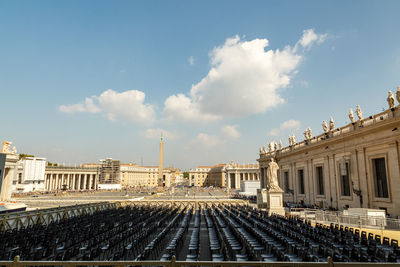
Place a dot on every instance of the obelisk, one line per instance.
(161, 164)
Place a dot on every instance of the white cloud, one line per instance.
(207, 141)
(191, 60)
(290, 124)
(125, 105)
(287, 125)
(310, 37)
(244, 79)
(230, 131)
(156, 134)
(87, 106)
(180, 107)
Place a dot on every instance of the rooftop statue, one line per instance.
(264, 150)
(6, 147)
(270, 147)
(272, 176)
(331, 124)
(398, 94)
(325, 126)
(308, 134)
(359, 112)
(351, 116)
(275, 146)
(293, 140)
(390, 100)
(280, 144)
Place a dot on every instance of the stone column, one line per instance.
(237, 180)
(84, 181)
(79, 182)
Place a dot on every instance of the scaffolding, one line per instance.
(109, 171)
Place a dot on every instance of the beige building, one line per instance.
(198, 176)
(216, 176)
(356, 165)
(133, 175)
(224, 175)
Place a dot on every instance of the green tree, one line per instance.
(22, 156)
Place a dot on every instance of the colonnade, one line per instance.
(71, 181)
(234, 178)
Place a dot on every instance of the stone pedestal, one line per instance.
(8, 171)
(271, 200)
(275, 203)
(262, 198)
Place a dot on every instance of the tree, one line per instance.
(22, 156)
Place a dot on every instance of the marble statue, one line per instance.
(293, 139)
(270, 147)
(264, 150)
(14, 150)
(272, 176)
(280, 144)
(398, 94)
(359, 112)
(390, 100)
(275, 146)
(331, 124)
(308, 134)
(6, 147)
(325, 126)
(351, 116)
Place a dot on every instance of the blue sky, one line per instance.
(85, 80)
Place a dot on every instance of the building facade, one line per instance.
(199, 176)
(224, 175)
(353, 166)
(133, 175)
(235, 173)
(30, 175)
(71, 178)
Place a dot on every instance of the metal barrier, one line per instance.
(17, 220)
(174, 263)
(359, 221)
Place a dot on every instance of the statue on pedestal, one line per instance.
(351, 116)
(325, 126)
(6, 147)
(272, 177)
(359, 113)
(331, 124)
(280, 144)
(270, 147)
(390, 100)
(308, 134)
(398, 94)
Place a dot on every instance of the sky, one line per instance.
(85, 80)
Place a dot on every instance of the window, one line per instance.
(286, 181)
(345, 180)
(20, 178)
(301, 181)
(320, 180)
(381, 186)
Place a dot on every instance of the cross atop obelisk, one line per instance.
(161, 163)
